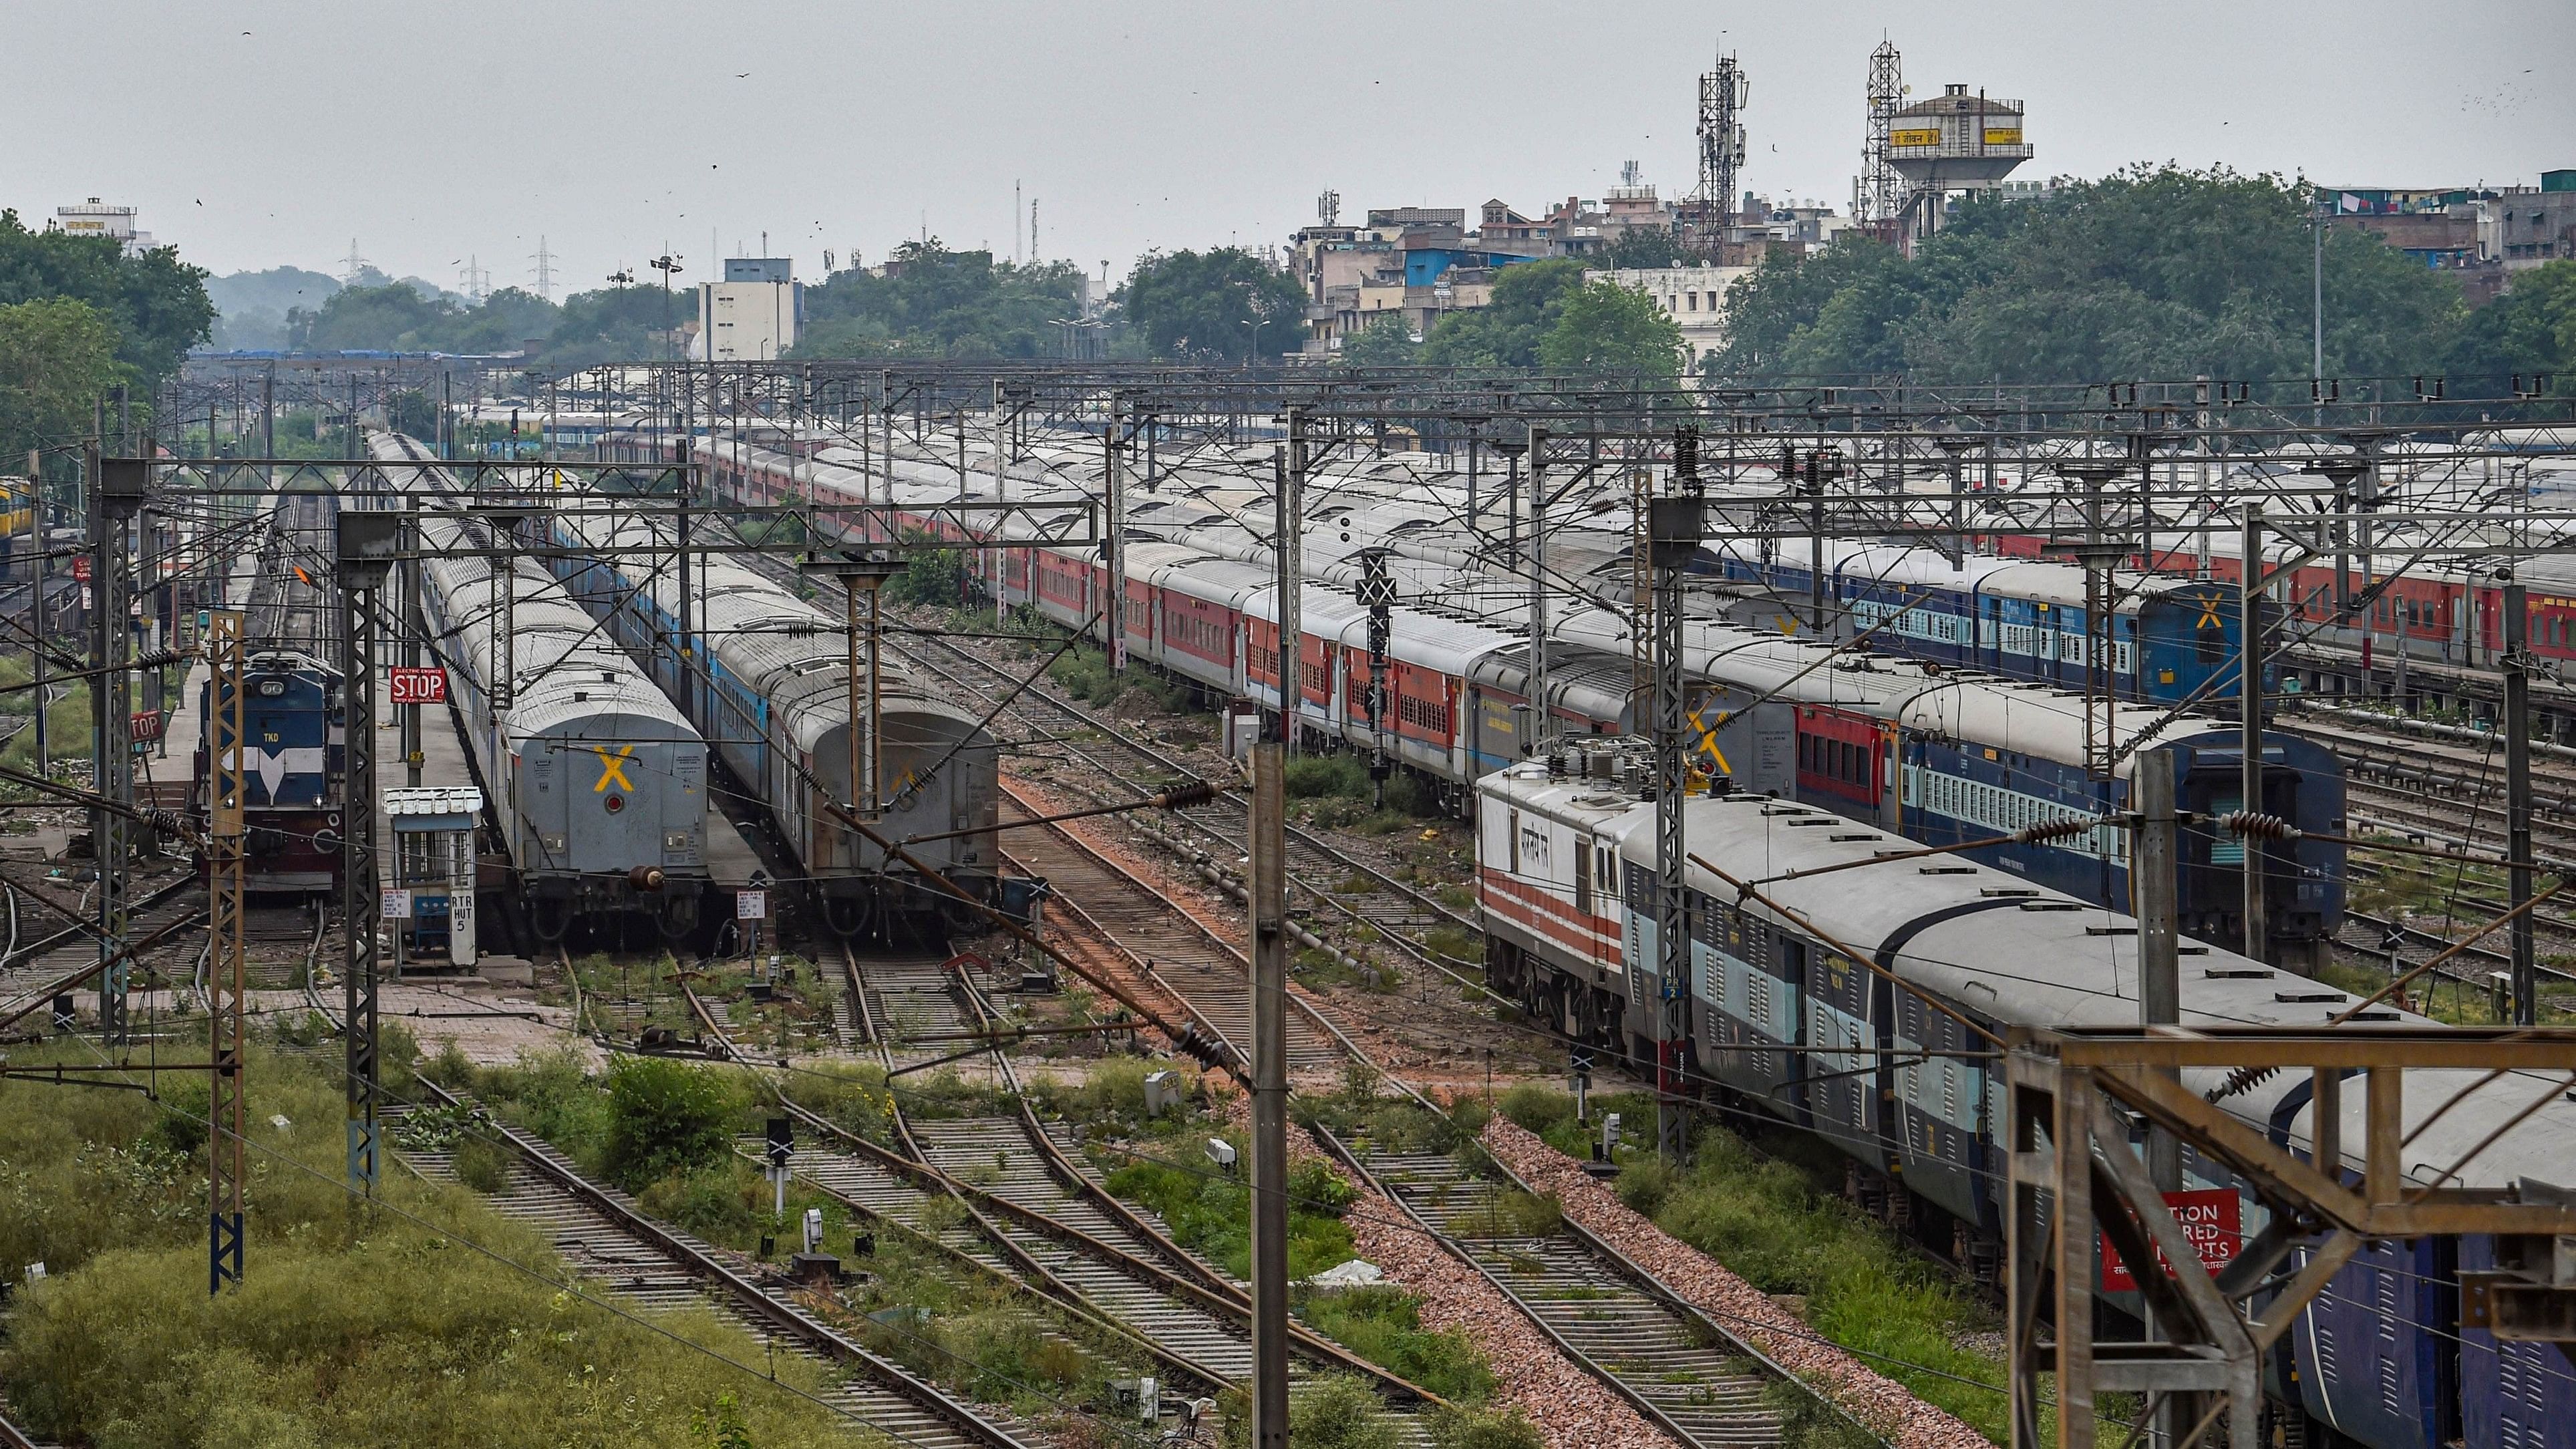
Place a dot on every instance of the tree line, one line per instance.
(79, 317)
(2151, 272)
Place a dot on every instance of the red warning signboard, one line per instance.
(418, 686)
(2212, 1221)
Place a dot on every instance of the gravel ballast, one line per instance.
(1867, 1395)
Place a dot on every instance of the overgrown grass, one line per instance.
(1211, 1212)
(1083, 672)
(1384, 1326)
(851, 1094)
(1314, 777)
(1110, 1097)
(1336, 1411)
(426, 1321)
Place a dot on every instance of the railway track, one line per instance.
(43, 967)
(2406, 812)
(1132, 932)
(1034, 1212)
(1679, 1368)
(1676, 1368)
(600, 1234)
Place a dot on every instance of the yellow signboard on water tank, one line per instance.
(1919, 136)
(2003, 135)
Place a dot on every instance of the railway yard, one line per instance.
(753, 915)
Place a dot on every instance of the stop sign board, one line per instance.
(2212, 1221)
(418, 686)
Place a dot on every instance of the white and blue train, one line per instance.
(2171, 639)
(769, 687)
(1782, 1023)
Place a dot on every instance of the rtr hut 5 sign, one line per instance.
(418, 686)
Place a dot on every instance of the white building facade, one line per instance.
(96, 218)
(1694, 297)
(756, 313)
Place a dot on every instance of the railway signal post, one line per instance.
(1268, 842)
(369, 542)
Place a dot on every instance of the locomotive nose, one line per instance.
(645, 877)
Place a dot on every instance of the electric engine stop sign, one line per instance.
(418, 686)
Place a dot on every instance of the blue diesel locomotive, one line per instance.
(294, 734)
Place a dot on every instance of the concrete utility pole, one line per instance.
(1290, 547)
(115, 495)
(1269, 908)
(1674, 537)
(2249, 695)
(2517, 798)
(412, 629)
(2151, 874)
(1113, 546)
(1538, 589)
(368, 542)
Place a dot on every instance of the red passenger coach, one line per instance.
(1425, 703)
(1139, 614)
(1198, 629)
(1315, 672)
(1261, 653)
(1065, 584)
(1839, 754)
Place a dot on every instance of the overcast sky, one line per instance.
(253, 134)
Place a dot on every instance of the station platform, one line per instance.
(165, 775)
(443, 761)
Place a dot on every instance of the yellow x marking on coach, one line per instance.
(2209, 613)
(1708, 739)
(612, 768)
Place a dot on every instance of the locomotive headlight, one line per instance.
(271, 688)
